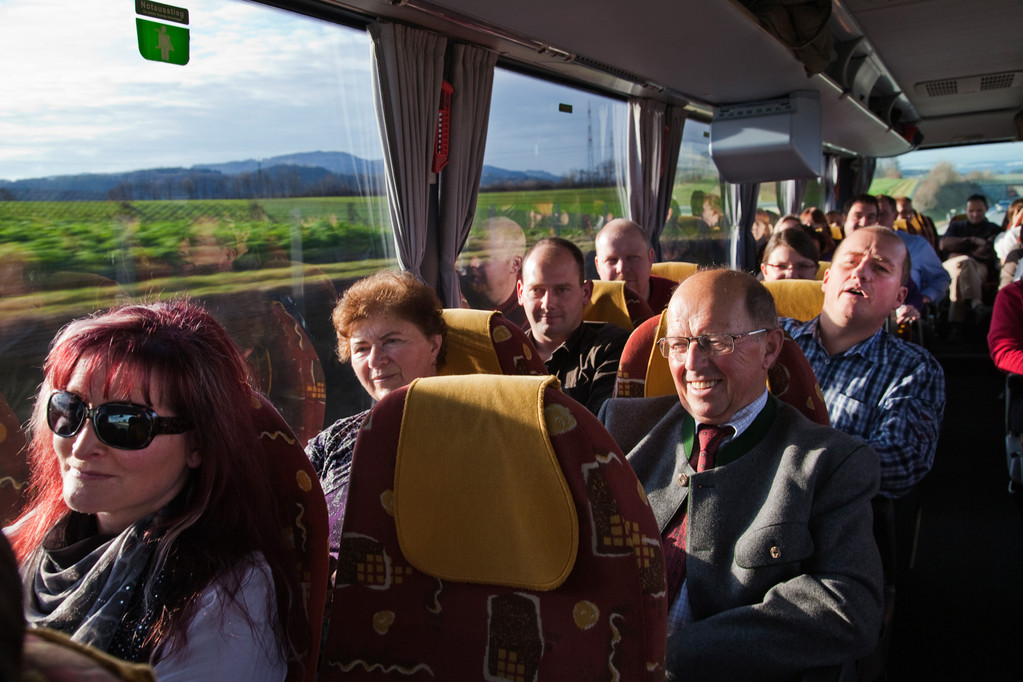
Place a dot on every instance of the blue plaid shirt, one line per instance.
(886, 391)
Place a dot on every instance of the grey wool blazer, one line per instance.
(782, 568)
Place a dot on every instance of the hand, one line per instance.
(905, 314)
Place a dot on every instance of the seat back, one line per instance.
(302, 511)
(486, 342)
(822, 267)
(676, 270)
(616, 303)
(801, 299)
(14, 469)
(519, 546)
(644, 372)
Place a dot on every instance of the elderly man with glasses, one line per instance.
(771, 562)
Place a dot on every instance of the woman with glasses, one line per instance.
(790, 254)
(142, 538)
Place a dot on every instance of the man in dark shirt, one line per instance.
(971, 258)
(553, 292)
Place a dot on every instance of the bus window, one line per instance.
(247, 176)
(550, 169)
(697, 229)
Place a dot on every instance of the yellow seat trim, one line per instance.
(470, 348)
(676, 270)
(486, 501)
(658, 374)
(801, 299)
(607, 304)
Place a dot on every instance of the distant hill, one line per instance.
(291, 175)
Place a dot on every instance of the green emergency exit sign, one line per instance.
(162, 43)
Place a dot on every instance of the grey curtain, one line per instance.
(472, 75)
(654, 140)
(743, 210)
(830, 183)
(790, 196)
(408, 71)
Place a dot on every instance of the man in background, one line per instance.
(488, 281)
(624, 254)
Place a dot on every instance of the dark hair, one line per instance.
(561, 243)
(861, 199)
(977, 197)
(201, 374)
(798, 240)
(396, 293)
(885, 199)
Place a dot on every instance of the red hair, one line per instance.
(201, 375)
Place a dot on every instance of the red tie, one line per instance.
(674, 542)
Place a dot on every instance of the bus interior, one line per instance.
(287, 148)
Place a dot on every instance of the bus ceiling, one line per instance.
(892, 75)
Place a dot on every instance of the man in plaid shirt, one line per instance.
(886, 391)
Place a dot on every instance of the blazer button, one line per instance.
(775, 553)
(683, 480)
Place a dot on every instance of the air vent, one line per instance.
(968, 84)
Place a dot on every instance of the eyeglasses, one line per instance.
(793, 267)
(712, 344)
(125, 426)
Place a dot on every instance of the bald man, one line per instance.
(624, 255)
(781, 573)
(488, 280)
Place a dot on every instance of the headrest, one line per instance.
(485, 502)
(801, 299)
(658, 374)
(470, 349)
(607, 304)
(676, 270)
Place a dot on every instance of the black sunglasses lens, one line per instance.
(124, 426)
(65, 413)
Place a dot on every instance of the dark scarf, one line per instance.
(90, 586)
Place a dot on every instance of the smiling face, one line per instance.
(388, 352)
(864, 283)
(552, 295)
(860, 215)
(712, 388)
(120, 486)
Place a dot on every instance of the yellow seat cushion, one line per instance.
(486, 501)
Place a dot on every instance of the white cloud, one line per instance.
(78, 97)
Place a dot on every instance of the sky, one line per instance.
(77, 97)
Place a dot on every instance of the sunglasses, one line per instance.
(125, 426)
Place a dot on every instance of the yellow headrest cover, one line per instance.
(801, 299)
(676, 270)
(470, 350)
(485, 501)
(608, 305)
(658, 374)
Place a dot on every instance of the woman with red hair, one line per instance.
(141, 537)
